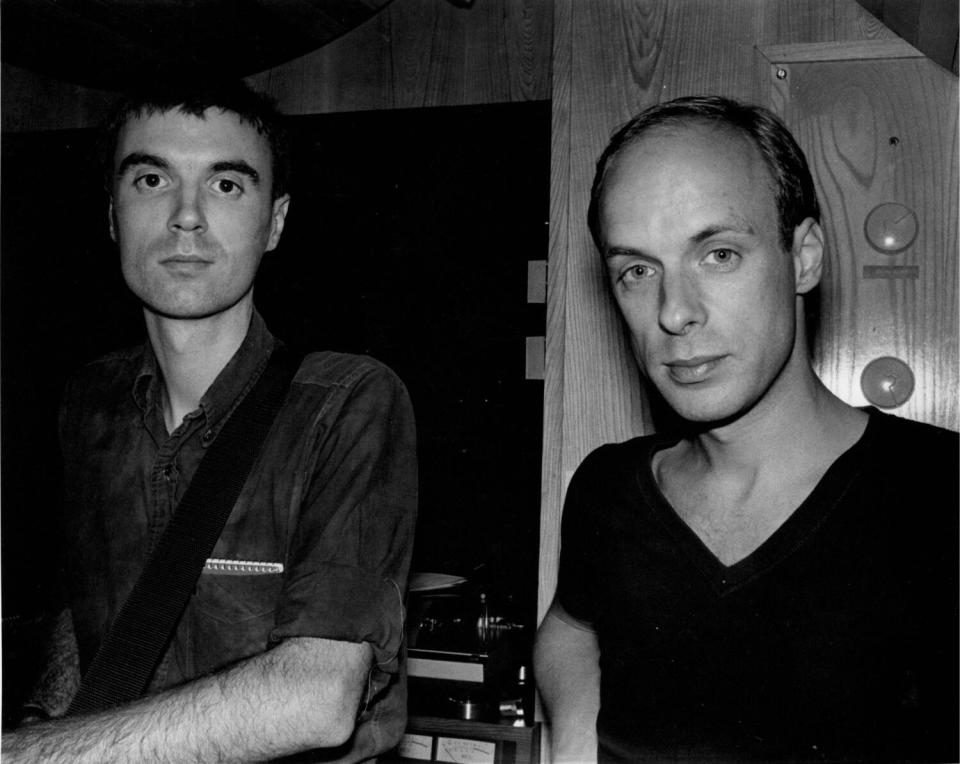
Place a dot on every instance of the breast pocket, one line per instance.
(232, 617)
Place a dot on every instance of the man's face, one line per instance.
(691, 243)
(192, 211)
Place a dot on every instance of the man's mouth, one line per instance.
(689, 371)
(183, 259)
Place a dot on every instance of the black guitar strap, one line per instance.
(129, 655)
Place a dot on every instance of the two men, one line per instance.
(776, 579)
(291, 640)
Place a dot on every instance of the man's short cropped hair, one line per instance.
(254, 109)
(794, 192)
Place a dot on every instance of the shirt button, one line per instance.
(168, 472)
(206, 437)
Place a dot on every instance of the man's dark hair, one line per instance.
(794, 193)
(252, 108)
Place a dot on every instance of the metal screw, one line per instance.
(781, 73)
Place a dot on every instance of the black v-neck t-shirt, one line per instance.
(835, 640)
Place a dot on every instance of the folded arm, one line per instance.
(303, 694)
(567, 668)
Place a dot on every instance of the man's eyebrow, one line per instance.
(138, 157)
(610, 252)
(734, 225)
(239, 166)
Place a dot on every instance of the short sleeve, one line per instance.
(350, 555)
(576, 584)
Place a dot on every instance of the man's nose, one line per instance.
(188, 213)
(681, 305)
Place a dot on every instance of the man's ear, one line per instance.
(277, 218)
(112, 221)
(807, 255)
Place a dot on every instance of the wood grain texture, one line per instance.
(840, 51)
(414, 53)
(929, 25)
(611, 59)
(882, 131)
(551, 471)
(424, 53)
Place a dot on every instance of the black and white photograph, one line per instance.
(482, 381)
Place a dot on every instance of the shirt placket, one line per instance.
(172, 469)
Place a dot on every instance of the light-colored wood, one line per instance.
(882, 131)
(610, 60)
(551, 491)
(840, 51)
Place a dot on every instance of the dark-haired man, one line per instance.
(777, 579)
(291, 639)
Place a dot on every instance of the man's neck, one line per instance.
(191, 353)
(735, 484)
(786, 428)
(794, 432)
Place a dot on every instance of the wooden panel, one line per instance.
(414, 53)
(839, 51)
(882, 131)
(929, 25)
(424, 53)
(937, 32)
(551, 495)
(611, 59)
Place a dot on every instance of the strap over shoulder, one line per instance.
(128, 656)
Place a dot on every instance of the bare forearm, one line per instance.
(287, 700)
(566, 663)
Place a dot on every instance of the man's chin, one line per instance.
(696, 412)
(193, 307)
(187, 313)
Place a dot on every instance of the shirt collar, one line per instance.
(241, 371)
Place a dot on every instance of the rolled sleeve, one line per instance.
(345, 603)
(576, 578)
(349, 558)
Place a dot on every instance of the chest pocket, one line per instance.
(232, 616)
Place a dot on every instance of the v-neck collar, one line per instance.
(799, 526)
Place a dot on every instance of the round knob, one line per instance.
(887, 382)
(891, 228)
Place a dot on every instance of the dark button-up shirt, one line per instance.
(317, 545)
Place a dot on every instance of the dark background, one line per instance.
(407, 239)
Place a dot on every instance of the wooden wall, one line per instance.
(610, 60)
(413, 53)
(928, 25)
(878, 123)
(424, 53)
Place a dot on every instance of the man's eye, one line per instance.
(636, 273)
(148, 180)
(227, 186)
(722, 257)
